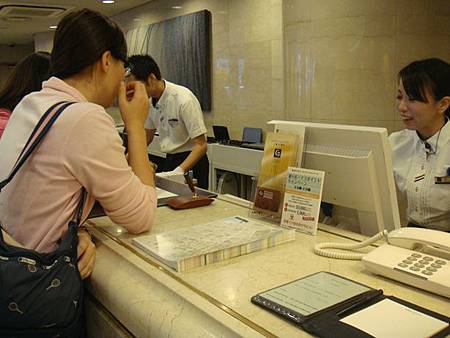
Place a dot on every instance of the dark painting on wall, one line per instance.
(181, 47)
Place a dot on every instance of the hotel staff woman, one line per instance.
(421, 152)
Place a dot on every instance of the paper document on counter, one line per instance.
(187, 248)
(164, 193)
(391, 319)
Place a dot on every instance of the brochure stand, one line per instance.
(257, 213)
(280, 152)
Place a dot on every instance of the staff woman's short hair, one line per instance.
(429, 75)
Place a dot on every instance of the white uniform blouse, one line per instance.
(178, 118)
(415, 169)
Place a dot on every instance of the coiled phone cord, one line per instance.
(319, 248)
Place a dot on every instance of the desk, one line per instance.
(151, 300)
(238, 160)
(243, 161)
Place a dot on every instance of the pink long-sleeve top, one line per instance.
(82, 149)
(4, 118)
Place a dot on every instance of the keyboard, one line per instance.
(258, 146)
(235, 143)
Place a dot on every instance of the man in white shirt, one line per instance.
(177, 116)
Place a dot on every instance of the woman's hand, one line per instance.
(86, 253)
(133, 104)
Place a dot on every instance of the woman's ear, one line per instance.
(150, 79)
(444, 103)
(105, 61)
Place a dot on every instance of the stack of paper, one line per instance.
(191, 247)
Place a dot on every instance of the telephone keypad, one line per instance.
(421, 264)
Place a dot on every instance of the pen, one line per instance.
(365, 298)
(189, 182)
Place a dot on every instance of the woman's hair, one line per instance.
(26, 77)
(81, 39)
(429, 75)
(142, 66)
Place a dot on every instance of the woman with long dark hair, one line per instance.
(83, 149)
(26, 77)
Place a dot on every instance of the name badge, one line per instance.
(442, 180)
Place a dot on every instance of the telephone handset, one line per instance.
(415, 256)
(431, 241)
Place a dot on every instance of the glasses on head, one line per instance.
(128, 69)
(127, 72)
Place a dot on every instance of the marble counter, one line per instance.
(151, 300)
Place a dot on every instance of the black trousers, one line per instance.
(201, 169)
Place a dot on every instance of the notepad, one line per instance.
(391, 319)
(191, 247)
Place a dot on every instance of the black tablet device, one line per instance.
(304, 297)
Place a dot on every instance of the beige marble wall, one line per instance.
(247, 57)
(309, 60)
(43, 41)
(342, 57)
(9, 56)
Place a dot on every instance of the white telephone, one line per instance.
(415, 256)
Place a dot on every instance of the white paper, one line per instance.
(164, 193)
(391, 319)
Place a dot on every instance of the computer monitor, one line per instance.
(252, 135)
(358, 169)
(221, 134)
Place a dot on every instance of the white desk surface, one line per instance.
(153, 300)
(239, 160)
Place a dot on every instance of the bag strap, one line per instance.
(80, 207)
(37, 135)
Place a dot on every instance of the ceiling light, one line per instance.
(176, 7)
(16, 18)
(108, 1)
(53, 27)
